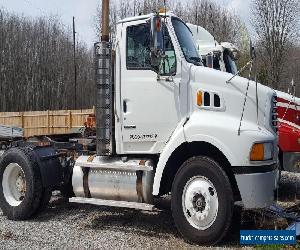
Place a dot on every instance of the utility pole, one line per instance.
(75, 66)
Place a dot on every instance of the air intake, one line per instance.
(104, 99)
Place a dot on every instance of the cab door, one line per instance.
(150, 111)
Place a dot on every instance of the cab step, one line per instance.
(112, 203)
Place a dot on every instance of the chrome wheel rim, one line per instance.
(14, 184)
(200, 202)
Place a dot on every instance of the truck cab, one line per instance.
(165, 125)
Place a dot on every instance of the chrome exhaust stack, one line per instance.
(104, 92)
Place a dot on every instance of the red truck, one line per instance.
(289, 131)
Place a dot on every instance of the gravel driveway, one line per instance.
(66, 225)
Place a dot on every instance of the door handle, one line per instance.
(124, 106)
(129, 126)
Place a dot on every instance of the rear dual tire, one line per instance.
(202, 201)
(22, 194)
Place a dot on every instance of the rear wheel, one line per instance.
(21, 190)
(202, 201)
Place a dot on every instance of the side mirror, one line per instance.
(157, 41)
(235, 55)
(210, 60)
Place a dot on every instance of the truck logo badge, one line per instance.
(143, 137)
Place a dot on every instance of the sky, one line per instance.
(85, 11)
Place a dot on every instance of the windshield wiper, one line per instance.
(195, 58)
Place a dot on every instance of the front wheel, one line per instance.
(202, 201)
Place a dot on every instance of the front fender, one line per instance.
(180, 136)
(176, 140)
(221, 132)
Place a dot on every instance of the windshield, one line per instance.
(186, 41)
(230, 64)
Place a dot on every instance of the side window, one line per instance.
(138, 47)
(138, 50)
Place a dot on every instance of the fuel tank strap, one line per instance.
(139, 185)
(86, 188)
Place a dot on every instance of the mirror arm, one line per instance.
(240, 71)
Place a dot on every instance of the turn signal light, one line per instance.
(199, 98)
(262, 151)
(257, 152)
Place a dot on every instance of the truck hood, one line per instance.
(233, 96)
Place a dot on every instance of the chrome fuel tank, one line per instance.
(113, 179)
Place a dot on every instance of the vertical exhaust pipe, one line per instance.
(105, 21)
(104, 84)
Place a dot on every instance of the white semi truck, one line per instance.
(220, 56)
(165, 125)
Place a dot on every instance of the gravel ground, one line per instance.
(66, 225)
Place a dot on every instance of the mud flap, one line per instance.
(50, 166)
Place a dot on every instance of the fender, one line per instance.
(177, 139)
(49, 165)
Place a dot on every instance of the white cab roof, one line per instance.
(205, 41)
(141, 17)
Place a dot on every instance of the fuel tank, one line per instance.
(113, 179)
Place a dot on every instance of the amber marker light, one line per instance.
(257, 152)
(163, 10)
(262, 151)
(199, 98)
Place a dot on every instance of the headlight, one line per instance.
(262, 151)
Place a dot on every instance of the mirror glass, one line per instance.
(157, 45)
(210, 60)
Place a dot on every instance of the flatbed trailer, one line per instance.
(9, 134)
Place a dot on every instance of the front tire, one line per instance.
(21, 190)
(202, 201)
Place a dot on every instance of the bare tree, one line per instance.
(223, 24)
(36, 66)
(276, 23)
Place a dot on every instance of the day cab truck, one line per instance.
(165, 125)
(223, 57)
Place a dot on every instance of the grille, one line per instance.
(274, 114)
